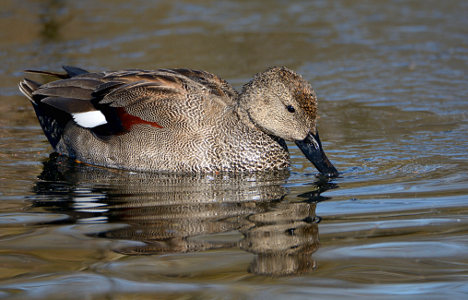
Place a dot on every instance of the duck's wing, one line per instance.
(113, 102)
(212, 83)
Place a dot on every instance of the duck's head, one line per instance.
(281, 103)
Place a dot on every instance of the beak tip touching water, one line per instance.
(312, 149)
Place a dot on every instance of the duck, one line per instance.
(178, 120)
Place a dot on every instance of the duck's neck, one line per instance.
(244, 117)
(244, 104)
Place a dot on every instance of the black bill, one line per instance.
(312, 149)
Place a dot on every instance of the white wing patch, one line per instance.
(89, 119)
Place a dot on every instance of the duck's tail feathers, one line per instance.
(52, 119)
(27, 87)
(70, 72)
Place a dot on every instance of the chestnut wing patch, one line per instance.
(129, 120)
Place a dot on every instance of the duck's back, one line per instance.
(153, 96)
(163, 120)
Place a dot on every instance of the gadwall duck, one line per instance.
(178, 120)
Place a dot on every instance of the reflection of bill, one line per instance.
(183, 213)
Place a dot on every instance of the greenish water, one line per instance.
(391, 81)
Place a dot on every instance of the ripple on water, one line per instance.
(408, 249)
(15, 219)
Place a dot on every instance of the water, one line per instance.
(390, 76)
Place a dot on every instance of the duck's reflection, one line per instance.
(187, 213)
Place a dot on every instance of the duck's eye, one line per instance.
(290, 108)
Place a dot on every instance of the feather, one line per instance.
(55, 74)
(89, 119)
(69, 105)
(27, 87)
(83, 83)
(74, 71)
(65, 92)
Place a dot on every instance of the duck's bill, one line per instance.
(312, 149)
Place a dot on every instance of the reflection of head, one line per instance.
(283, 240)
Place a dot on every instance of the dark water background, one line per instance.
(392, 85)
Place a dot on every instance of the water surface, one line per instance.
(390, 76)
